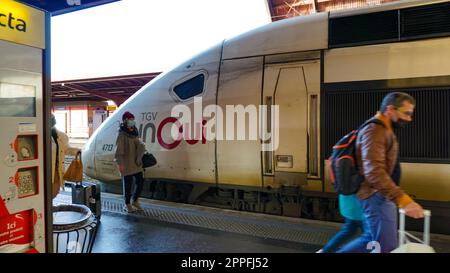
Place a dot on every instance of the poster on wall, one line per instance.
(16, 232)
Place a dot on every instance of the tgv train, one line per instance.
(328, 73)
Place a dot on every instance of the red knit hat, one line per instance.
(127, 115)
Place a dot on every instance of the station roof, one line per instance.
(282, 9)
(57, 7)
(117, 89)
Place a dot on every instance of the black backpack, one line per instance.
(344, 172)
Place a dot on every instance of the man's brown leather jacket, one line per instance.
(376, 153)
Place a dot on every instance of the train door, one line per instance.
(238, 159)
(294, 88)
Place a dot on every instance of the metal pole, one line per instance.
(401, 232)
(426, 227)
(47, 102)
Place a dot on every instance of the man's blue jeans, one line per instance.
(347, 231)
(380, 227)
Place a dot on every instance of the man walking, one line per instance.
(380, 193)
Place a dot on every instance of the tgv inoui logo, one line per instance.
(74, 2)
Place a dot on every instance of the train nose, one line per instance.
(88, 158)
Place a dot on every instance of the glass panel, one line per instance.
(17, 100)
(190, 88)
(313, 136)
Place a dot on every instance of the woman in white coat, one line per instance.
(60, 148)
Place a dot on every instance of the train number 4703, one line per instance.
(108, 147)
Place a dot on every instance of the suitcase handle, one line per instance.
(426, 228)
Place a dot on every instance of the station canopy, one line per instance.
(282, 9)
(58, 7)
(117, 89)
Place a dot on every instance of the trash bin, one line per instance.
(74, 229)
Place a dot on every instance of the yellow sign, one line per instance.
(111, 108)
(22, 24)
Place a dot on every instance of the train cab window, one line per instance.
(190, 88)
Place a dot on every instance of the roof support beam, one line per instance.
(118, 100)
(314, 4)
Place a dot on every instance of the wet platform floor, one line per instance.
(130, 234)
(165, 227)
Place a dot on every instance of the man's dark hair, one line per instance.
(396, 99)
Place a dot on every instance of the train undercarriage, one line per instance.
(284, 201)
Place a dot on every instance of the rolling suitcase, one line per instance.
(88, 194)
(405, 246)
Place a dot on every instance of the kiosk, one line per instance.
(25, 103)
(23, 183)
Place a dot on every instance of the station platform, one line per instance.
(166, 227)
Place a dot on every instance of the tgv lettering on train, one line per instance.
(207, 124)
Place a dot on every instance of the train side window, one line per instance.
(191, 87)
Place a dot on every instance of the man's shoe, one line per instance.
(129, 208)
(137, 205)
